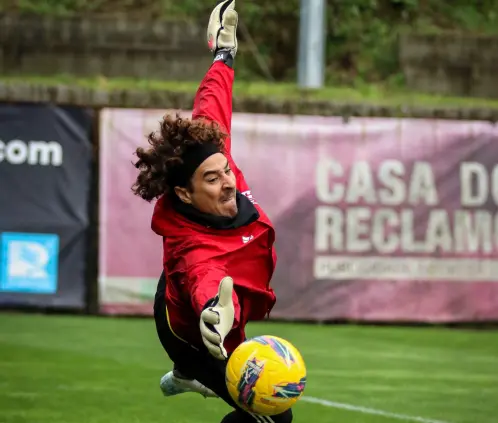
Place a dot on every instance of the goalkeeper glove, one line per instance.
(222, 32)
(217, 319)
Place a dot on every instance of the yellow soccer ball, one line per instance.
(266, 375)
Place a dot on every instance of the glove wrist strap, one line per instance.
(224, 55)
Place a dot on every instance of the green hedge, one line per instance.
(362, 34)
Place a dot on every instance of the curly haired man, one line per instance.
(218, 243)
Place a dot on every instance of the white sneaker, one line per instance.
(173, 385)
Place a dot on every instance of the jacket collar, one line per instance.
(246, 215)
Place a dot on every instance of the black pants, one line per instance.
(200, 365)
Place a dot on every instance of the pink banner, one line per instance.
(376, 219)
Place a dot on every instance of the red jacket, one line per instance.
(196, 258)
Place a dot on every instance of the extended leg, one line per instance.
(173, 383)
(177, 381)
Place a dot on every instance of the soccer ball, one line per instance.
(266, 375)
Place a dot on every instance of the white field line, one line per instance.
(365, 410)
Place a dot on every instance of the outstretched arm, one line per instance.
(213, 100)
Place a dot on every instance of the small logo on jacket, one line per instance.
(249, 195)
(246, 239)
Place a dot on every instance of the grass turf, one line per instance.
(370, 94)
(66, 369)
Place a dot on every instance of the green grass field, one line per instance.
(64, 369)
(366, 94)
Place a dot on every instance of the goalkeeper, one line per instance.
(218, 243)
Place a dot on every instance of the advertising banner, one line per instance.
(45, 173)
(376, 219)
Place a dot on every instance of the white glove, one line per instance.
(217, 320)
(222, 29)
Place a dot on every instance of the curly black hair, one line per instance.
(165, 150)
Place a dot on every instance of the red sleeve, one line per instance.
(202, 283)
(213, 100)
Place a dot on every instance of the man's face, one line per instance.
(213, 188)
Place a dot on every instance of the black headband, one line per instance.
(192, 157)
